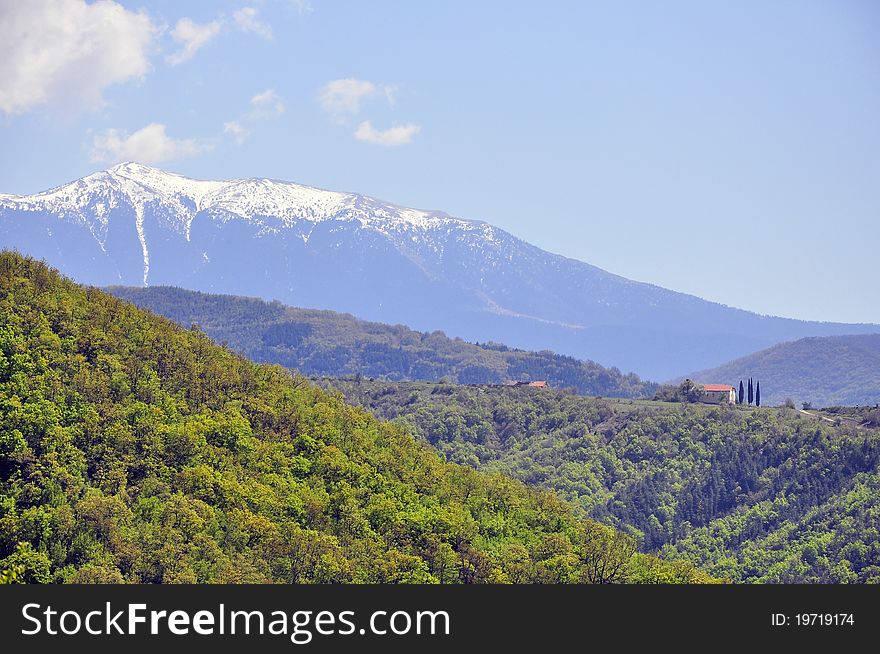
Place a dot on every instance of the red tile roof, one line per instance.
(717, 387)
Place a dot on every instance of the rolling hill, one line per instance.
(827, 371)
(326, 343)
(132, 450)
(136, 225)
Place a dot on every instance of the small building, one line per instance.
(538, 384)
(718, 394)
(534, 384)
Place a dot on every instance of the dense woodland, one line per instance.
(748, 494)
(319, 343)
(132, 450)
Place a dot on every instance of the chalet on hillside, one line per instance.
(534, 384)
(718, 394)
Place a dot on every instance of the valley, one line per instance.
(135, 451)
(754, 495)
(412, 455)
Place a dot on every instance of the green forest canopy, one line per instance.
(132, 450)
(753, 495)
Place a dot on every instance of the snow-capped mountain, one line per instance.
(137, 225)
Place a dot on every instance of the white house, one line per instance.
(718, 394)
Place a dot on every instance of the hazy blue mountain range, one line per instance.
(136, 225)
(326, 343)
(827, 371)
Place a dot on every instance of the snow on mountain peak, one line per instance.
(89, 200)
(136, 192)
(161, 185)
(286, 201)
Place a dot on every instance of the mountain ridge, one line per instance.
(319, 343)
(136, 225)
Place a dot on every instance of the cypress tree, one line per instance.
(741, 392)
(758, 395)
(751, 391)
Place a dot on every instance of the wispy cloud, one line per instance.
(65, 53)
(391, 94)
(238, 133)
(302, 6)
(247, 20)
(266, 105)
(342, 98)
(192, 37)
(391, 137)
(150, 144)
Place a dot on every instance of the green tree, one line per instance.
(605, 553)
(134, 450)
(26, 565)
(724, 490)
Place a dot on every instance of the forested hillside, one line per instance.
(334, 344)
(755, 495)
(132, 450)
(826, 371)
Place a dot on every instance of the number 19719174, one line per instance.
(824, 619)
(814, 620)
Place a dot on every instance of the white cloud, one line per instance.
(193, 37)
(234, 129)
(341, 98)
(303, 6)
(266, 104)
(149, 144)
(393, 136)
(247, 20)
(391, 94)
(66, 52)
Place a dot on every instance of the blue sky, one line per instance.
(725, 149)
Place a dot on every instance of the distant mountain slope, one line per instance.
(136, 225)
(828, 371)
(319, 343)
(132, 450)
